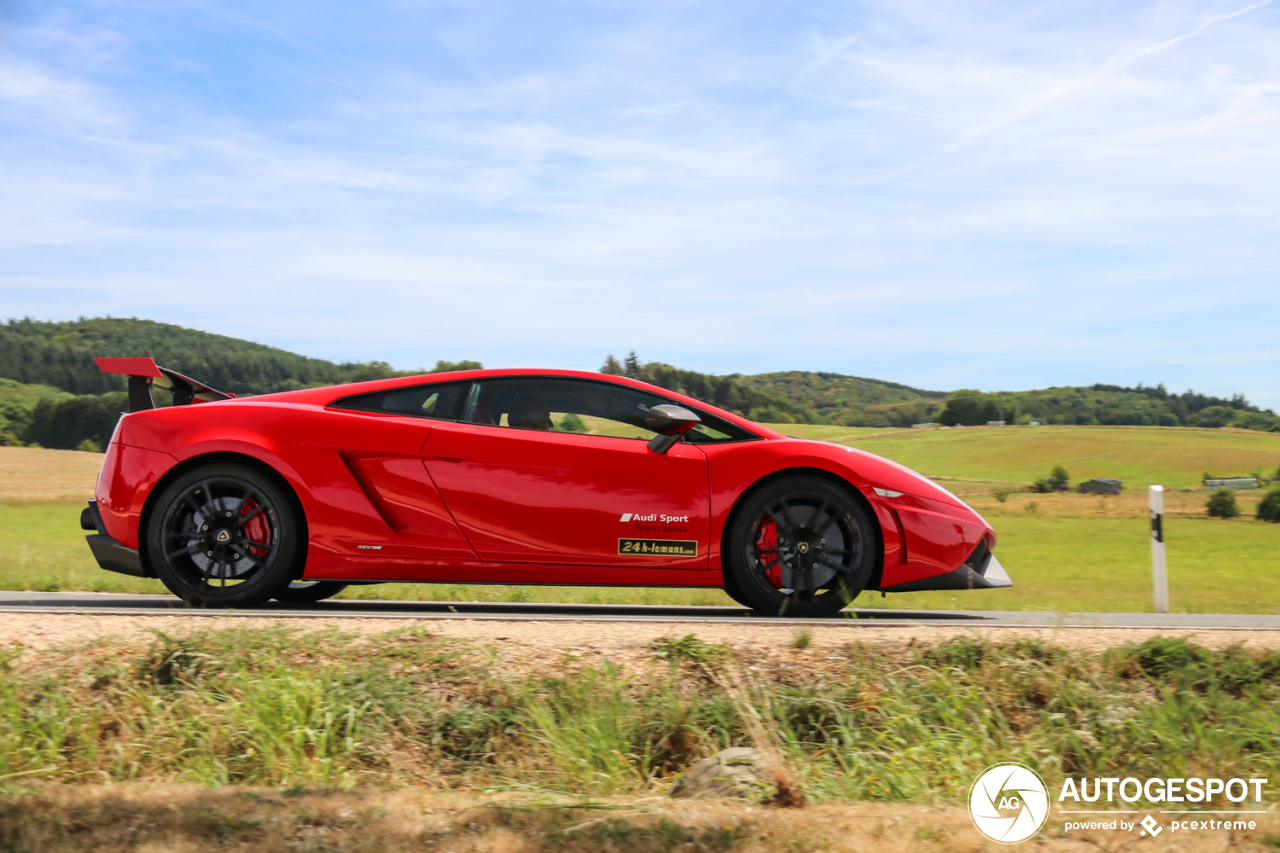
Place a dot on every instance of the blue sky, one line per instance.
(1001, 195)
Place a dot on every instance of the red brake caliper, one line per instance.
(772, 561)
(256, 529)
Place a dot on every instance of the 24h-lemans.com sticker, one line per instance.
(661, 547)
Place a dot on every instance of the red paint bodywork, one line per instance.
(400, 498)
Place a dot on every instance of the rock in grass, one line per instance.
(736, 772)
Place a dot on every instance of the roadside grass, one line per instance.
(42, 548)
(1058, 564)
(293, 710)
(1174, 457)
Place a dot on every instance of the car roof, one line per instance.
(328, 394)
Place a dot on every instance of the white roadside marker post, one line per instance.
(1159, 575)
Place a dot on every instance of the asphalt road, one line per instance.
(103, 603)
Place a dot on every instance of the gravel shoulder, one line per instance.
(185, 819)
(549, 645)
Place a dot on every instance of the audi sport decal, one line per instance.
(661, 547)
(653, 516)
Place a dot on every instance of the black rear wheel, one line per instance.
(309, 592)
(800, 546)
(225, 535)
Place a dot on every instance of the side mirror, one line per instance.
(670, 423)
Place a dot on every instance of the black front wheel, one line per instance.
(800, 546)
(225, 535)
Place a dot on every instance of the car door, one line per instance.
(380, 446)
(523, 490)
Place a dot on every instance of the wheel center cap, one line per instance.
(803, 547)
(223, 536)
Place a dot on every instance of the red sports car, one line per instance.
(509, 477)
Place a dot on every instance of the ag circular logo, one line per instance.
(1009, 803)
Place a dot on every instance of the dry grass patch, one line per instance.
(30, 474)
(54, 818)
(1130, 503)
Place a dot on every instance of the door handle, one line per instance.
(452, 458)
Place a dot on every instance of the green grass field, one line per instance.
(1058, 564)
(1174, 457)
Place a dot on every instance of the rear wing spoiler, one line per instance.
(144, 372)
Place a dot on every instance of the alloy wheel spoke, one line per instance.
(786, 514)
(213, 504)
(832, 564)
(189, 550)
(820, 513)
(246, 555)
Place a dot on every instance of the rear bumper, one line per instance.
(110, 554)
(981, 571)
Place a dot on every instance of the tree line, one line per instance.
(52, 394)
(725, 392)
(1105, 405)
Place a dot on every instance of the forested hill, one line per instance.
(61, 355)
(851, 400)
(854, 401)
(727, 392)
(52, 394)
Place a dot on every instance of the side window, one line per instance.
(563, 405)
(441, 400)
(581, 406)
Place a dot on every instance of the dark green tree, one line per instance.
(445, 366)
(631, 367)
(963, 408)
(1269, 507)
(571, 423)
(1222, 504)
(611, 366)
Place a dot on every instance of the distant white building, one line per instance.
(1231, 483)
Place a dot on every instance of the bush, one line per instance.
(1055, 482)
(1269, 507)
(572, 423)
(1222, 504)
